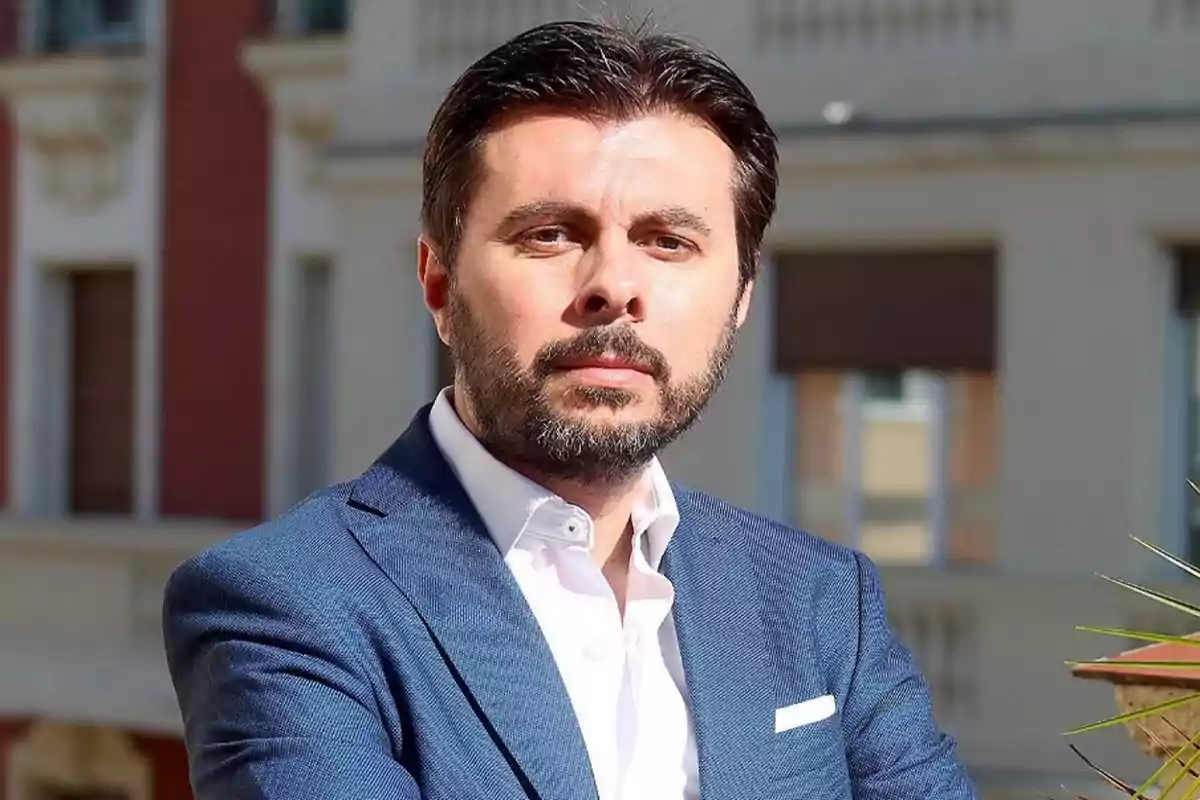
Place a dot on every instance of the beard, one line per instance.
(520, 421)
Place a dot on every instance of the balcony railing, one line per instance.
(992, 649)
(1175, 15)
(837, 24)
(300, 18)
(51, 27)
(455, 33)
(80, 617)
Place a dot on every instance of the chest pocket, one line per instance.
(809, 761)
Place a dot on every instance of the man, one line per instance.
(514, 601)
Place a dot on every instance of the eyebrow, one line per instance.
(670, 216)
(538, 210)
(676, 217)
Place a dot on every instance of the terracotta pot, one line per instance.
(1142, 687)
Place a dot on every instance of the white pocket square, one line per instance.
(805, 713)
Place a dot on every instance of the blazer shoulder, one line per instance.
(776, 544)
(295, 547)
(812, 591)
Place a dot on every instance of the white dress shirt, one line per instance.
(624, 677)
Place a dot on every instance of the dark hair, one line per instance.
(605, 71)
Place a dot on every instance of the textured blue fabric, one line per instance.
(371, 644)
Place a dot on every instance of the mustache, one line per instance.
(619, 341)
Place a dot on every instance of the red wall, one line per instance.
(215, 262)
(170, 766)
(10, 731)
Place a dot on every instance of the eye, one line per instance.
(548, 235)
(548, 239)
(669, 246)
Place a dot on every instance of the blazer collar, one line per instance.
(413, 517)
(414, 520)
(723, 644)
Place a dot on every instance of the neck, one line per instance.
(609, 503)
(609, 506)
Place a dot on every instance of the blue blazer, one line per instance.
(371, 644)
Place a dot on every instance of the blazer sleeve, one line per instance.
(275, 705)
(894, 747)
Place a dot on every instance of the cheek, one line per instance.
(693, 329)
(512, 308)
(523, 323)
(689, 344)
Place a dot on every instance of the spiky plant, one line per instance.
(1178, 777)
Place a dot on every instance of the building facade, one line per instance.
(973, 352)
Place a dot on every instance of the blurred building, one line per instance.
(974, 351)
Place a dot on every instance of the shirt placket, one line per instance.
(592, 620)
(647, 607)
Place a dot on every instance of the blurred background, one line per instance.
(973, 353)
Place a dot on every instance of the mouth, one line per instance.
(602, 363)
(604, 370)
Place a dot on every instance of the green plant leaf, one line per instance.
(1183, 760)
(1188, 766)
(1144, 636)
(1130, 716)
(1176, 560)
(1187, 771)
(1190, 792)
(1166, 600)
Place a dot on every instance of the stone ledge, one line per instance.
(78, 113)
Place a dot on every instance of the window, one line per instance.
(58, 26)
(1192, 395)
(892, 358)
(885, 387)
(327, 16)
(1188, 306)
(310, 17)
(79, 384)
(907, 482)
(314, 376)
(101, 391)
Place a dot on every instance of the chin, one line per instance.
(616, 407)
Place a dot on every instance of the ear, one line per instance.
(432, 274)
(435, 281)
(743, 307)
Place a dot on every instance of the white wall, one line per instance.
(1058, 55)
(302, 225)
(385, 348)
(1085, 304)
(1079, 216)
(1086, 300)
(125, 228)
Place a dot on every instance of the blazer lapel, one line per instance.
(725, 658)
(412, 516)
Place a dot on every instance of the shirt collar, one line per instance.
(508, 501)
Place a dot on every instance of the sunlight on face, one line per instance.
(595, 295)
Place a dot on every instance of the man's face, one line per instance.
(594, 299)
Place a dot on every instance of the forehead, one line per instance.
(617, 168)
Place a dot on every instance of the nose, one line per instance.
(611, 290)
